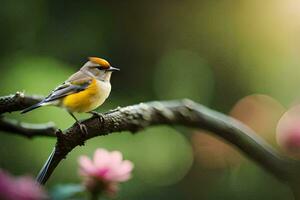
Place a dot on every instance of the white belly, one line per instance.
(102, 94)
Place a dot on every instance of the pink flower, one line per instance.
(105, 171)
(288, 131)
(23, 188)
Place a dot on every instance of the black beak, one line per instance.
(111, 69)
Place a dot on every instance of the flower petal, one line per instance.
(20, 188)
(101, 158)
(121, 178)
(121, 172)
(86, 165)
(106, 166)
(115, 158)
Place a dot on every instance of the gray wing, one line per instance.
(75, 83)
(66, 89)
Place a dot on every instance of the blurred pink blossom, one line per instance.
(22, 188)
(288, 131)
(105, 171)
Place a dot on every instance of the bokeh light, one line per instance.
(213, 153)
(288, 131)
(261, 113)
(156, 162)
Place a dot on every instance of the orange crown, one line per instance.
(103, 63)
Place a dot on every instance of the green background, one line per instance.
(214, 52)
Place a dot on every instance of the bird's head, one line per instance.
(99, 68)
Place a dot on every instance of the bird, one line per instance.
(82, 92)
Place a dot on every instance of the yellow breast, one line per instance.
(89, 99)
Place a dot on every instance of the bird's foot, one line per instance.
(83, 129)
(100, 116)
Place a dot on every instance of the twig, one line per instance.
(26, 129)
(17, 101)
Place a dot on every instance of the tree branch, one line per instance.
(17, 101)
(26, 129)
(186, 113)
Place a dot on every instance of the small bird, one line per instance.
(84, 91)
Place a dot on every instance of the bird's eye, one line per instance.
(100, 67)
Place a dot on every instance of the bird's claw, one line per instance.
(83, 129)
(98, 115)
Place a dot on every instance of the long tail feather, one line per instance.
(42, 176)
(31, 108)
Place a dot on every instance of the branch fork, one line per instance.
(137, 117)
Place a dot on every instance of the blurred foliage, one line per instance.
(214, 52)
(178, 73)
